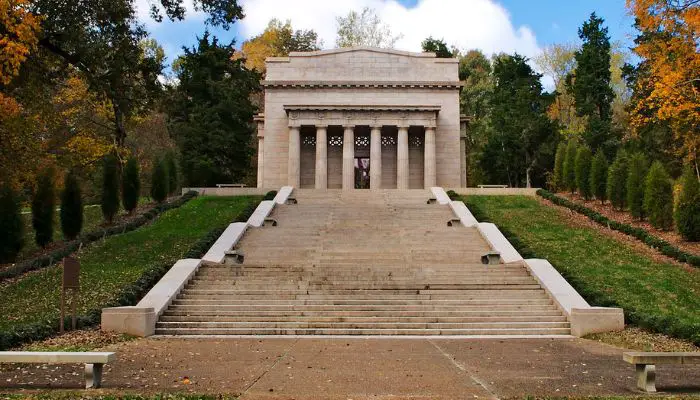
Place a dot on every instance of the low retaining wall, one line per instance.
(214, 191)
(496, 191)
(584, 319)
(140, 320)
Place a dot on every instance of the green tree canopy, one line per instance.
(687, 214)
(658, 197)
(523, 137)
(583, 171)
(71, 207)
(437, 46)
(211, 110)
(599, 176)
(43, 207)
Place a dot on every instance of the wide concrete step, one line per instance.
(212, 314)
(318, 317)
(303, 306)
(350, 291)
(193, 294)
(362, 332)
(363, 325)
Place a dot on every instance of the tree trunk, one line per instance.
(527, 177)
(119, 129)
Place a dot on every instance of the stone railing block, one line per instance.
(136, 321)
(585, 321)
(283, 194)
(264, 209)
(160, 296)
(498, 242)
(225, 242)
(440, 195)
(462, 212)
(566, 297)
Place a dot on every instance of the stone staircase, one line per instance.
(362, 263)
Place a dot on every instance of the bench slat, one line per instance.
(56, 357)
(642, 357)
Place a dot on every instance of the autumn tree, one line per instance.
(19, 30)
(590, 84)
(437, 46)
(278, 39)
(667, 77)
(364, 29)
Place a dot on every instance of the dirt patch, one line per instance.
(607, 210)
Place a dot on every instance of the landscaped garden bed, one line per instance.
(118, 270)
(659, 296)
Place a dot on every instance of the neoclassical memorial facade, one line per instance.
(361, 118)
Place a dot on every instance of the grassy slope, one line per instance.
(600, 266)
(121, 259)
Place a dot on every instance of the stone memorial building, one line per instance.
(361, 118)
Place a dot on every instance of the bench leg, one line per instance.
(646, 377)
(93, 376)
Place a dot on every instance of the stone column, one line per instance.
(349, 157)
(261, 160)
(402, 159)
(375, 158)
(321, 157)
(429, 164)
(293, 166)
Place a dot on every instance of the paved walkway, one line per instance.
(357, 368)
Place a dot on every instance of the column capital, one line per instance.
(348, 126)
(402, 126)
(376, 126)
(323, 125)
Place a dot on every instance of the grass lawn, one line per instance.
(663, 297)
(109, 265)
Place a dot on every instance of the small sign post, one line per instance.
(71, 281)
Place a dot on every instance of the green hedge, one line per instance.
(652, 241)
(128, 296)
(72, 246)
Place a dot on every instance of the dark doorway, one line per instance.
(361, 173)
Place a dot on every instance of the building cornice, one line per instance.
(362, 84)
(360, 107)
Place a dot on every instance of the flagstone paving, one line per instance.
(360, 368)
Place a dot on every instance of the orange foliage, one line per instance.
(674, 62)
(20, 37)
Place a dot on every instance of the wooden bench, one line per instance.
(234, 185)
(492, 186)
(93, 361)
(645, 364)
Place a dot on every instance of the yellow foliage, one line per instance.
(19, 39)
(674, 62)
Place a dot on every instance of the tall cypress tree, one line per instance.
(569, 166)
(583, 172)
(43, 208)
(131, 185)
(173, 175)
(559, 166)
(590, 84)
(11, 225)
(635, 185)
(71, 207)
(599, 176)
(617, 181)
(658, 197)
(159, 181)
(687, 214)
(110, 188)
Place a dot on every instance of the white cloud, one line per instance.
(467, 24)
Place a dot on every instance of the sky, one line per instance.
(494, 26)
